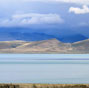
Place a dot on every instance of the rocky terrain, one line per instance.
(45, 46)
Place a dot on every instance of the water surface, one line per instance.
(17, 70)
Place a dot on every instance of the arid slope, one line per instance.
(45, 46)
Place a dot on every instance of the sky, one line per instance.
(46, 14)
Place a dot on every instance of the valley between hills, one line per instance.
(45, 46)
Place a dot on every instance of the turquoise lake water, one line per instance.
(34, 69)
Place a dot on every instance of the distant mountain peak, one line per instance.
(53, 40)
(73, 38)
(11, 36)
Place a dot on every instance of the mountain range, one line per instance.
(26, 36)
(45, 46)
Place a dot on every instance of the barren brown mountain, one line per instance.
(45, 46)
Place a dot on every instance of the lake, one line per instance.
(44, 68)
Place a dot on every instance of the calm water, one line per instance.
(22, 69)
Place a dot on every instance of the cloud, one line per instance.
(84, 10)
(65, 1)
(31, 18)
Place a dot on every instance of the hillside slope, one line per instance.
(45, 46)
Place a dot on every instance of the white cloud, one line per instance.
(84, 10)
(31, 18)
(65, 1)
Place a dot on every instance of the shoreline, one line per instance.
(23, 85)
